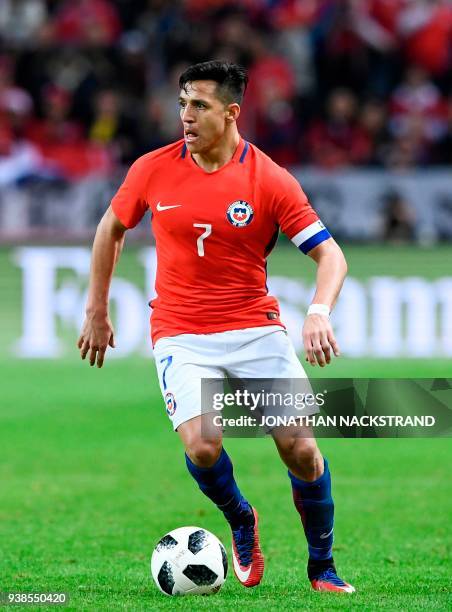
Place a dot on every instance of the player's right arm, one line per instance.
(127, 208)
(97, 331)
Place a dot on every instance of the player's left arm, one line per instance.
(293, 213)
(318, 335)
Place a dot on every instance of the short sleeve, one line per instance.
(296, 217)
(129, 203)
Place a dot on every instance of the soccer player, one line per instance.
(217, 205)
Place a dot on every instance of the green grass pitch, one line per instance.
(92, 476)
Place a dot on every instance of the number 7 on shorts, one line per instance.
(169, 361)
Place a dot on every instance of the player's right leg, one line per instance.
(209, 464)
(180, 370)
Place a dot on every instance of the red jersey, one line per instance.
(213, 232)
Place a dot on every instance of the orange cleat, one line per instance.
(329, 581)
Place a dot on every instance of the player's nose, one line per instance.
(187, 115)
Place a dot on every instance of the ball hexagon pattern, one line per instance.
(189, 561)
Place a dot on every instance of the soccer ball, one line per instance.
(189, 561)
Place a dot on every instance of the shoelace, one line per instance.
(244, 541)
(329, 575)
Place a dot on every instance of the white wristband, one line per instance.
(320, 309)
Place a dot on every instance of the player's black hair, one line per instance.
(231, 78)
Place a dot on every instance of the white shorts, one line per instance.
(254, 353)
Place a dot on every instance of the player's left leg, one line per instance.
(267, 353)
(311, 489)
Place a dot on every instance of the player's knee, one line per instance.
(306, 450)
(308, 459)
(298, 448)
(302, 456)
(204, 453)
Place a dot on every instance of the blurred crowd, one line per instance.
(86, 86)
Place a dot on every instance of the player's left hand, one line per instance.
(319, 340)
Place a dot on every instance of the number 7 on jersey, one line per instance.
(204, 235)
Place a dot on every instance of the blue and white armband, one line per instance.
(311, 236)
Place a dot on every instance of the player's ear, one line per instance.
(232, 112)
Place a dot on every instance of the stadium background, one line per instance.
(355, 97)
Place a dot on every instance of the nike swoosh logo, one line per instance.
(160, 207)
(323, 536)
(241, 575)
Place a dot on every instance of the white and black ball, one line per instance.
(189, 561)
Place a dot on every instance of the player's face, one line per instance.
(204, 116)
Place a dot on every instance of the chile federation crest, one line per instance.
(170, 404)
(240, 213)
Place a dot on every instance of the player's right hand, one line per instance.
(96, 335)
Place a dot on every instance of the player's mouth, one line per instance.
(190, 136)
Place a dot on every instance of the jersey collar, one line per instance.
(239, 156)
